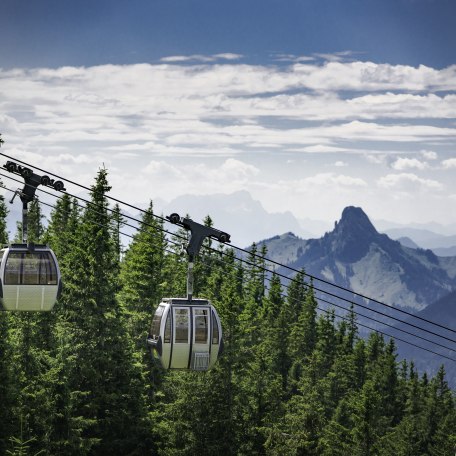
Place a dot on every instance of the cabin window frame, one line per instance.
(215, 329)
(155, 328)
(41, 267)
(178, 330)
(206, 326)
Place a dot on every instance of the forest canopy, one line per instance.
(292, 381)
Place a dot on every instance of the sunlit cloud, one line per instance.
(429, 154)
(329, 179)
(449, 163)
(231, 175)
(408, 163)
(146, 122)
(408, 182)
(201, 58)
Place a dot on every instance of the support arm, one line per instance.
(198, 233)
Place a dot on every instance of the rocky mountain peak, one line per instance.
(352, 235)
(355, 220)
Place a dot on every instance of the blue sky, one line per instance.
(91, 32)
(308, 105)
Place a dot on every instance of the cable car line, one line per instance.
(265, 258)
(89, 203)
(344, 299)
(383, 333)
(169, 241)
(387, 324)
(369, 318)
(281, 265)
(340, 287)
(139, 229)
(82, 186)
(264, 269)
(286, 296)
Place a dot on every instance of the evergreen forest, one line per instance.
(292, 380)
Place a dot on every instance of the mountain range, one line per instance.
(355, 255)
(248, 221)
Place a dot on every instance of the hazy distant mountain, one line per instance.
(238, 214)
(445, 251)
(385, 226)
(440, 244)
(354, 255)
(407, 242)
(439, 251)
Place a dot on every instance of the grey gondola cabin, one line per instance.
(186, 334)
(30, 278)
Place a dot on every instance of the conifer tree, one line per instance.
(303, 331)
(106, 385)
(142, 275)
(141, 289)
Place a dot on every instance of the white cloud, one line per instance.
(406, 163)
(201, 58)
(429, 154)
(228, 56)
(376, 159)
(183, 103)
(449, 163)
(293, 58)
(335, 57)
(318, 148)
(331, 180)
(231, 175)
(408, 182)
(146, 123)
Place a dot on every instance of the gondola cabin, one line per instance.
(30, 278)
(186, 334)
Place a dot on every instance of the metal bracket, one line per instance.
(32, 181)
(198, 233)
(27, 194)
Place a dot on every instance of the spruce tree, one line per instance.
(141, 289)
(106, 385)
(303, 332)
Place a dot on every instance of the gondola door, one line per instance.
(181, 334)
(201, 337)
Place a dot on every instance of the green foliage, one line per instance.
(291, 380)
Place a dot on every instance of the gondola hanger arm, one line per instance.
(198, 233)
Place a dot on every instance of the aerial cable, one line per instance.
(286, 296)
(137, 228)
(280, 265)
(264, 269)
(386, 324)
(89, 203)
(340, 287)
(82, 186)
(385, 334)
(367, 317)
(261, 268)
(333, 295)
(168, 241)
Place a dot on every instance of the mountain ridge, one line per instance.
(356, 256)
